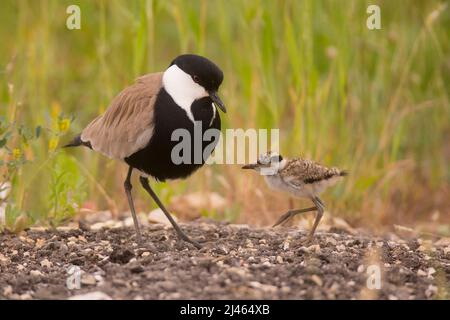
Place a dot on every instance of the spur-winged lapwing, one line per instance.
(300, 177)
(137, 127)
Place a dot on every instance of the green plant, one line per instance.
(65, 186)
(67, 190)
(15, 142)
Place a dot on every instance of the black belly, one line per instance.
(156, 158)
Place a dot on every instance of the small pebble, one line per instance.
(317, 280)
(35, 273)
(431, 291)
(45, 263)
(421, 273)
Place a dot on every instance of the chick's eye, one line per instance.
(196, 79)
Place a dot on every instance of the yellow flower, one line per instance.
(64, 125)
(17, 153)
(55, 109)
(53, 143)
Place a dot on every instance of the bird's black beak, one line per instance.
(215, 98)
(250, 166)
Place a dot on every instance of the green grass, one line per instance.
(373, 102)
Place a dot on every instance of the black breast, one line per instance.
(156, 158)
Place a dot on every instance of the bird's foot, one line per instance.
(139, 239)
(310, 239)
(284, 218)
(187, 239)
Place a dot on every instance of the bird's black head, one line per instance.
(202, 70)
(191, 77)
(267, 160)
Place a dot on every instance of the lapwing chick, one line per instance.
(138, 125)
(301, 178)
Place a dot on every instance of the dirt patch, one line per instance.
(237, 262)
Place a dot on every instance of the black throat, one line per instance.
(156, 158)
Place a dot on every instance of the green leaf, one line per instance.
(26, 133)
(7, 135)
(3, 142)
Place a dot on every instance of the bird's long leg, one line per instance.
(320, 208)
(291, 213)
(180, 233)
(128, 186)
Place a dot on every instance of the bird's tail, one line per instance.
(343, 173)
(76, 142)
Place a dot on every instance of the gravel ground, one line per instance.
(237, 262)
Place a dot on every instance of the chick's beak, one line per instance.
(217, 101)
(250, 166)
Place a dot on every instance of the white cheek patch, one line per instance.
(182, 88)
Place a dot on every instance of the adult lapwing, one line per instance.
(138, 125)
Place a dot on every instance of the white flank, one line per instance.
(275, 182)
(182, 88)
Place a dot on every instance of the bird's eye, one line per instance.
(276, 158)
(196, 79)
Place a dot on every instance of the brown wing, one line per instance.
(127, 125)
(301, 171)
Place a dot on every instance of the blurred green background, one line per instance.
(375, 102)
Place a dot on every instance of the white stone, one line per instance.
(35, 273)
(317, 280)
(158, 216)
(421, 273)
(95, 295)
(45, 263)
(88, 279)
